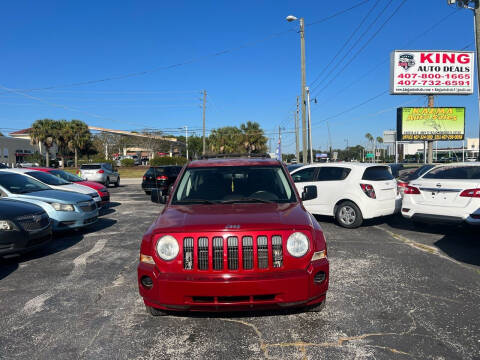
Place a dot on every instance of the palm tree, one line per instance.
(80, 137)
(226, 140)
(63, 137)
(253, 138)
(43, 132)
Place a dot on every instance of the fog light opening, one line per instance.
(147, 282)
(319, 277)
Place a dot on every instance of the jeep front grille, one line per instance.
(232, 253)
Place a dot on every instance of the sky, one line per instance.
(134, 65)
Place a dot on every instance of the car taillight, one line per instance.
(412, 190)
(144, 178)
(475, 193)
(163, 177)
(401, 185)
(369, 190)
(100, 171)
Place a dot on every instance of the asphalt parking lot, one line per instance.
(396, 292)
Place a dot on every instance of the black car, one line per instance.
(160, 177)
(23, 227)
(3, 166)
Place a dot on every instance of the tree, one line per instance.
(253, 139)
(79, 137)
(63, 135)
(43, 132)
(379, 140)
(226, 140)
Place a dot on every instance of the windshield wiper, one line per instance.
(247, 200)
(196, 201)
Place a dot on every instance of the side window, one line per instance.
(330, 173)
(304, 175)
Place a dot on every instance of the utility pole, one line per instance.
(304, 120)
(430, 142)
(186, 141)
(204, 105)
(279, 155)
(309, 125)
(297, 150)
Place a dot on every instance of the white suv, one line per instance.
(350, 192)
(447, 193)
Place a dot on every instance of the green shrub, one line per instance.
(127, 162)
(36, 158)
(168, 161)
(96, 160)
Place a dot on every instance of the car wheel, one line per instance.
(155, 312)
(107, 182)
(316, 308)
(348, 215)
(117, 183)
(148, 192)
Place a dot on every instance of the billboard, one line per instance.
(425, 123)
(417, 72)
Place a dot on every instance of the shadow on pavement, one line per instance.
(463, 246)
(60, 242)
(114, 204)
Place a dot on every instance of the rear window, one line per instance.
(46, 178)
(454, 172)
(88, 167)
(330, 173)
(377, 173)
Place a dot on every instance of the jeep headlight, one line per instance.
(297, 244)
(62, 207)
(167, 247)
(5, 225)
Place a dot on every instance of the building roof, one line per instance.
(21, 132)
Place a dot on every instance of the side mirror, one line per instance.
(309, 193)
(157, 197)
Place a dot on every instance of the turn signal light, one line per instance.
(144, 178)
(146, 259)
(411, 190)
(475, 193)
(368, 190)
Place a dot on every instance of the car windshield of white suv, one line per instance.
(20, 184)
(66, 176)
(234, 184)
(47, 178)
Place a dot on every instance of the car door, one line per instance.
(305, 177)
(330, 182)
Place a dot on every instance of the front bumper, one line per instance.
(440, 215)
(75, 220)
(21, 241)
(228, 291)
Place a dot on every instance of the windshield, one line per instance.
(20, 184)
(66, 176)
(234, 184)
(47, 178)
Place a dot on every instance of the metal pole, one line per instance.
(430, 142)
(203, 137)
(186, 140)
(476, 27)
(297, 140)
(304, 115)
(309, 125)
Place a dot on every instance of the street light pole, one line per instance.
(476, 30)
(309, 126)
(304, 103)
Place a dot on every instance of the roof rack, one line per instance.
(223, 156)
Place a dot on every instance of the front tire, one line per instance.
(154, 311)
(107, 182)
(348, 215)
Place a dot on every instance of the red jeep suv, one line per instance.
(234, 235)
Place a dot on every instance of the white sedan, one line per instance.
(446, 194)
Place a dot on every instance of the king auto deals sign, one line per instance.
(415, 72)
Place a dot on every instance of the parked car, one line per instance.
(415, 173)
(395, 168)
(160, 177)
(68, 210)
(292, 167)
(100, 189)
(57, 183)
(351, 192)
(3, 166)
(103, 173)
(23, 227)
(446, 194)
(234, 235)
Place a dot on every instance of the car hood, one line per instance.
(232, 217)
(73, 187)
(91, 184)
(10, 209)
(67, 197)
